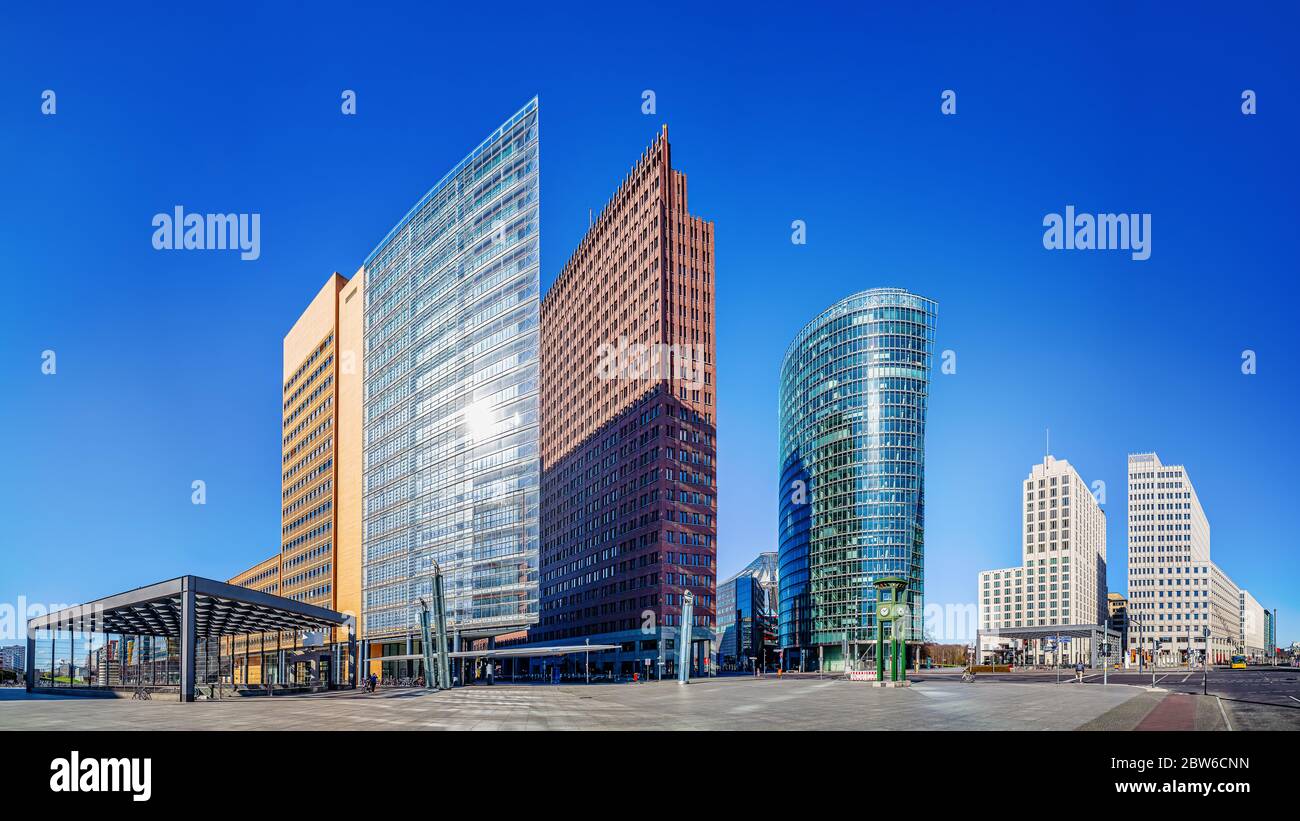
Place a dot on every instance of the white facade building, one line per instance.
(1062, 576)
(13, 657)
(1252, 642)
(1177, 597)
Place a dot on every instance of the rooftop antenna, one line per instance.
(1048, 452)
(589, 219)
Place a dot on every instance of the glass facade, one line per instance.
(854, 385)
(746, 617)
(451, 373)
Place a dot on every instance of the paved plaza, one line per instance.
(736, 703)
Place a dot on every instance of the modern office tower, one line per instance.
(310, 460)
(319, 561)
(1061, 579)
(1270, 637)
(854, 384)
(1253, 627)
(628, 425)
(451, 418)
(1179, 601)
(745, 635)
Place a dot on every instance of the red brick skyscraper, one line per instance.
(628, 404)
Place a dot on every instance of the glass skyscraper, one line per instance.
(451, 472)
(854, 385)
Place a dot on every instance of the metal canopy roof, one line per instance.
(220, 609)
(1075, 631)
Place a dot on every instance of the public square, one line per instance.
(935, 701)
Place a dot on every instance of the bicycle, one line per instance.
(967, 675)
(141, 694)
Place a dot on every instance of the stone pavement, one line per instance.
(713, 704)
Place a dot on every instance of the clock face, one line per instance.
(885, 611)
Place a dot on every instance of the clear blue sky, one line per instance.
(169, 363)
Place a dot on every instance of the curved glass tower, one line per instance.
(854, 384)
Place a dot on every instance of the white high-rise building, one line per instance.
(1062, 576)
(1177, 596)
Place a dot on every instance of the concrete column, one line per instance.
(188, 639)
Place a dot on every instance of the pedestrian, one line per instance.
(1078, 672)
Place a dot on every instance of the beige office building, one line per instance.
(319, 560)
(1180, 602)
(1061, 579)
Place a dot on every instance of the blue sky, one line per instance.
(169, 363)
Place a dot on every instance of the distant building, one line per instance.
(1253, 629)
(13, 657)
(1118, 607)
(747, 617)
(1270, 635)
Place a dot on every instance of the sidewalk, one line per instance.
(1161, 711)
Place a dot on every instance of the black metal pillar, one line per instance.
(188, 639)
(30, 662)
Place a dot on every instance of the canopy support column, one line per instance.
(188, 639)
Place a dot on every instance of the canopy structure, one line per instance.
(1095, 633)
(186, 608)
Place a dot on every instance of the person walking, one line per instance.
(1078, 672)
